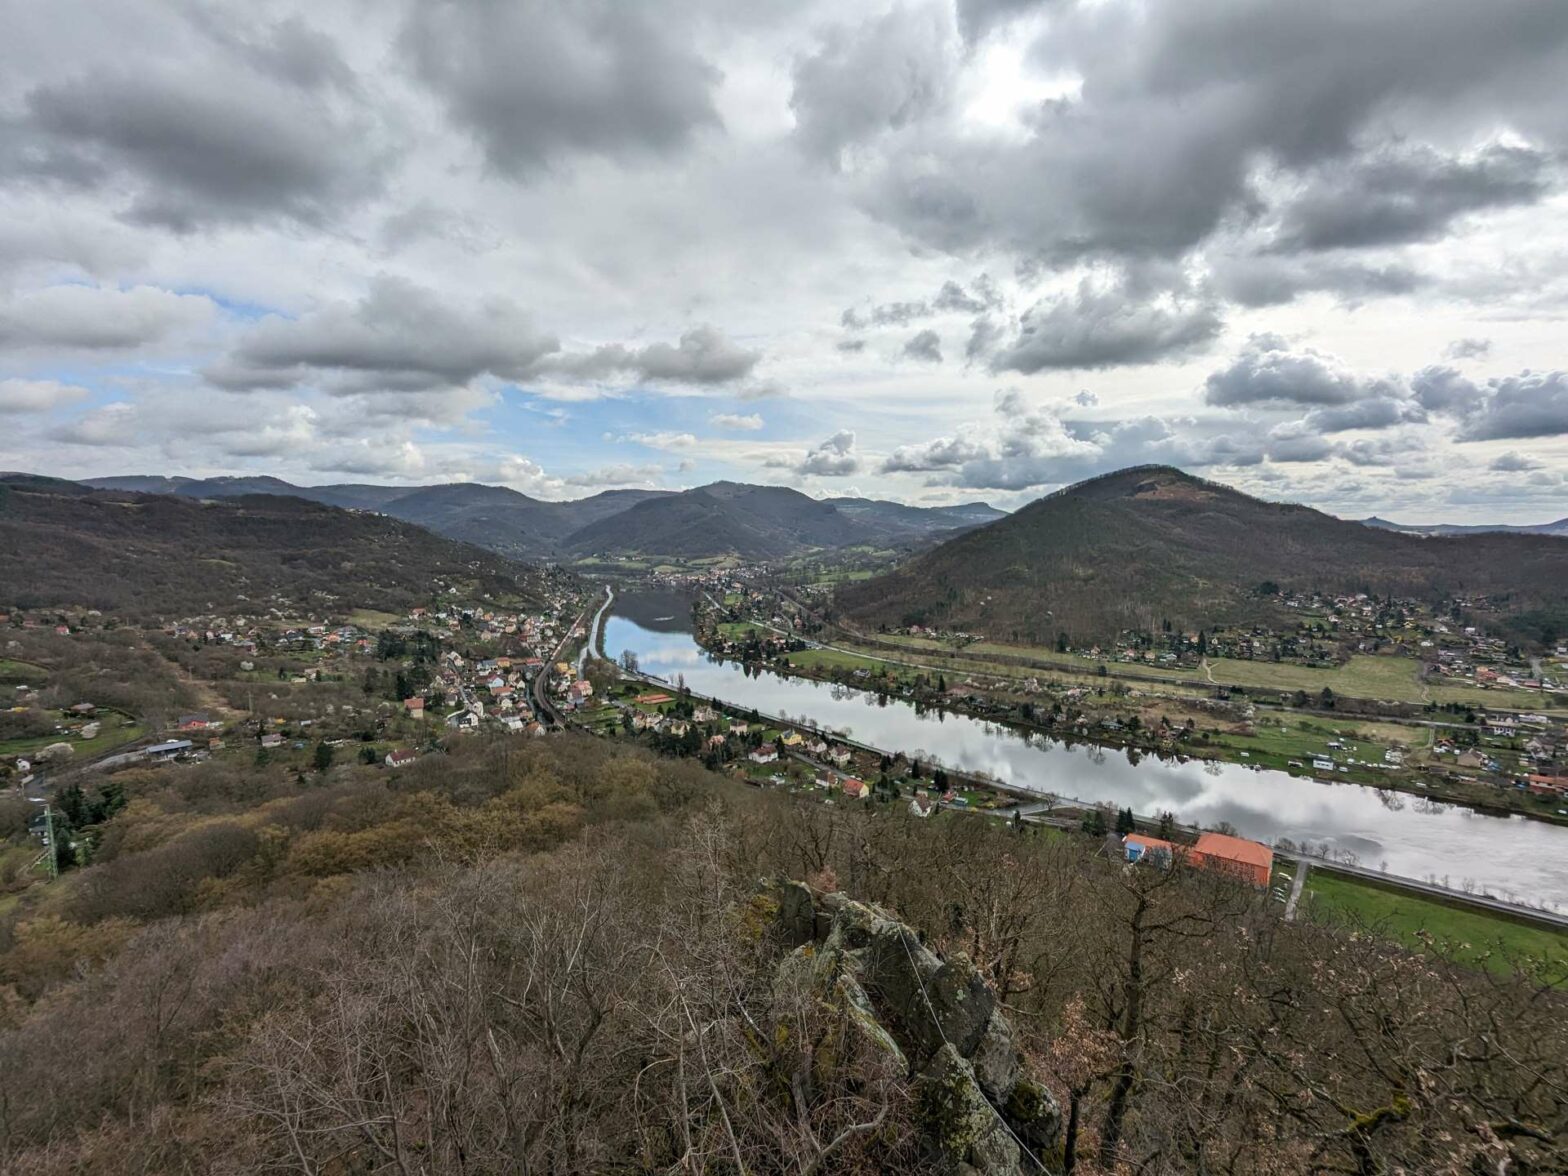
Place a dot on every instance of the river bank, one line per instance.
(1329, 746)
(1452, 846)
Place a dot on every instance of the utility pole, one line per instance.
(54, 851)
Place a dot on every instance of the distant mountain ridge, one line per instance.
(1142, 546)
(1560, 528)
(724, 518)
(64, 543)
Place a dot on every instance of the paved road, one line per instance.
(593, 630)
(541, 699)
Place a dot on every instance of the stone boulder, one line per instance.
(979, 1110)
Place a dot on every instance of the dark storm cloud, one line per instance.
(1100, 327)
(924, 346)
(881, 76)
(258, 127)
(1273, 279)
(1401, 195)
(1268, 372)
(1183, 105)
(399, 337)
(1531, 404)
(702, 356)
(537, 82)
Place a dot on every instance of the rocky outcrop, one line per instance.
(979, 1111)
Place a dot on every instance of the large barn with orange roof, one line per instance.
(1251, 861)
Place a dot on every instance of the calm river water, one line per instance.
(1508, 857)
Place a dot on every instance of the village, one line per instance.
(385, 690)
(382, 686)
(1377, 692)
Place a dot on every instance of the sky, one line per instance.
(932, 251)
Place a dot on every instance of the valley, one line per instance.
(236, 707)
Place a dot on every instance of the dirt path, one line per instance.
(206, 694)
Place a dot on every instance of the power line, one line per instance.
(935, 1020)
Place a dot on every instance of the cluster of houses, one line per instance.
(1534, 757)
(493, 690)
(1332, 626)
(255, 634)
(487, 624)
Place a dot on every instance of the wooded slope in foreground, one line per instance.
(1135, 548)
(551, 958)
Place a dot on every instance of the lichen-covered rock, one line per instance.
(797, 914)
(857, 1007)
(961, 1004)
(995, 1060)
(963, 1128)
(1032, 1112)
(935, 1019)
(899, 971)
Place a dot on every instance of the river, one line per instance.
(1510, 858)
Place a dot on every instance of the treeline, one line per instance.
(546, 957)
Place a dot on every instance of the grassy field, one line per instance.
(1283, 737)
(735, 630)
(16, 672)
(1473, 936)
(1387, 678)
(369, 618)
(1067, 670)
(115, 730)
(837, 659)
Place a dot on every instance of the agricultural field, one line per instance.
(1062, 669)
(837, 659)
(1383, 678)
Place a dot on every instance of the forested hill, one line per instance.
(725, 518)
(1134, 548)
(66, 544)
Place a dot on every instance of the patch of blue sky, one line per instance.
(637, 428)
(234, 308)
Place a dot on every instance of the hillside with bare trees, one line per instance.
(565, 956)
(1152, 544)
(62, 543)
